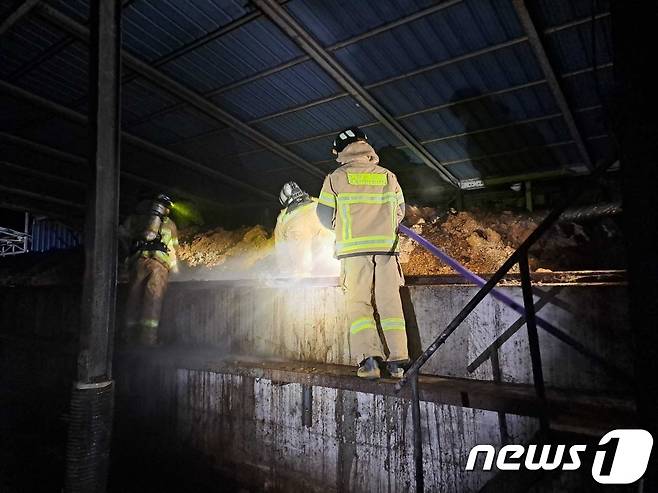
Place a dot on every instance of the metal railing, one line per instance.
(519, 256)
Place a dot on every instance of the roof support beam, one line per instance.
(42, 174)
(81, 161)
(297, 33)
(41, 197)
(81, 119)
(419, 15)
(21, 11)
(551, 79)
(181, 91)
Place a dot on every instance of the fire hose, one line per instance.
(500, 296)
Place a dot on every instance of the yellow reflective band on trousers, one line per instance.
(367, 179)
(361, 324)
(393, 324)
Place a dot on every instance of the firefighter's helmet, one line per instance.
(346, 137)
(291, 193)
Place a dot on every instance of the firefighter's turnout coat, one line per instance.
(300, 240)
(148, 278)
(366, 206)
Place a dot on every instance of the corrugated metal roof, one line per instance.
(25, 41)
(332, 22)
(427, 41)
(502, 69)
(255, 47)
(61, 78)
(211, 148)
(420, 62)
(289, 88)
(324, 118)
(571, 49)
(556, 12)
(153, 29)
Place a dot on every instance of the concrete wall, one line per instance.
(308, 323)
(252, 429)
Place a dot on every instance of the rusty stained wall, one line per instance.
(309, 323)
(357, 442)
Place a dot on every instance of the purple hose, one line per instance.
(467, 274)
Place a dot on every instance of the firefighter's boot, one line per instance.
(368, 369)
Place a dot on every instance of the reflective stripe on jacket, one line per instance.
(367, 203)
(285, 216)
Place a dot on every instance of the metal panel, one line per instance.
(571, 49)
(458, 30)
(555, 12)
(536, 134)
(24, 42)
(50, 235)
(331, 23)
(491, 72)
(325, 118)
(289, 88)
(155, 29)
(255, 47)
(482, 113)
(537, 160)
(141, 98)
(78, 9)
(584, 89)
(215, 145)
(62, 77)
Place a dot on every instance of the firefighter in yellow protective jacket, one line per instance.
(301, 242)
(364, 205)
(153, 242)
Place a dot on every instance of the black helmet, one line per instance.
(291, 193)
(346, 137)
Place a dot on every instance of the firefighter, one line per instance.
(153, 242)
(364, 205)
(300, 240)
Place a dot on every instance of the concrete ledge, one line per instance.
(589, 413)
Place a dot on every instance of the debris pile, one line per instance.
(480, 240)
(237, 250)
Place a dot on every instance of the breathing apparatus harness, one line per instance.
(153, 213)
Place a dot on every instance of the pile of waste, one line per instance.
(220, 249)
(480, 240)
(483, 240)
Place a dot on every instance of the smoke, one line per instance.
(251, 254)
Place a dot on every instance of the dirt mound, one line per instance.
(239, 249)
(479, 240)
(472, 242)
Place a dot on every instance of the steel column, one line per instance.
(533, 339)
(549, 74)
(21, 11)
(92, 402)
(320, 55)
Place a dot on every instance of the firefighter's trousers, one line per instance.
(381, 275)
(147, 287)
